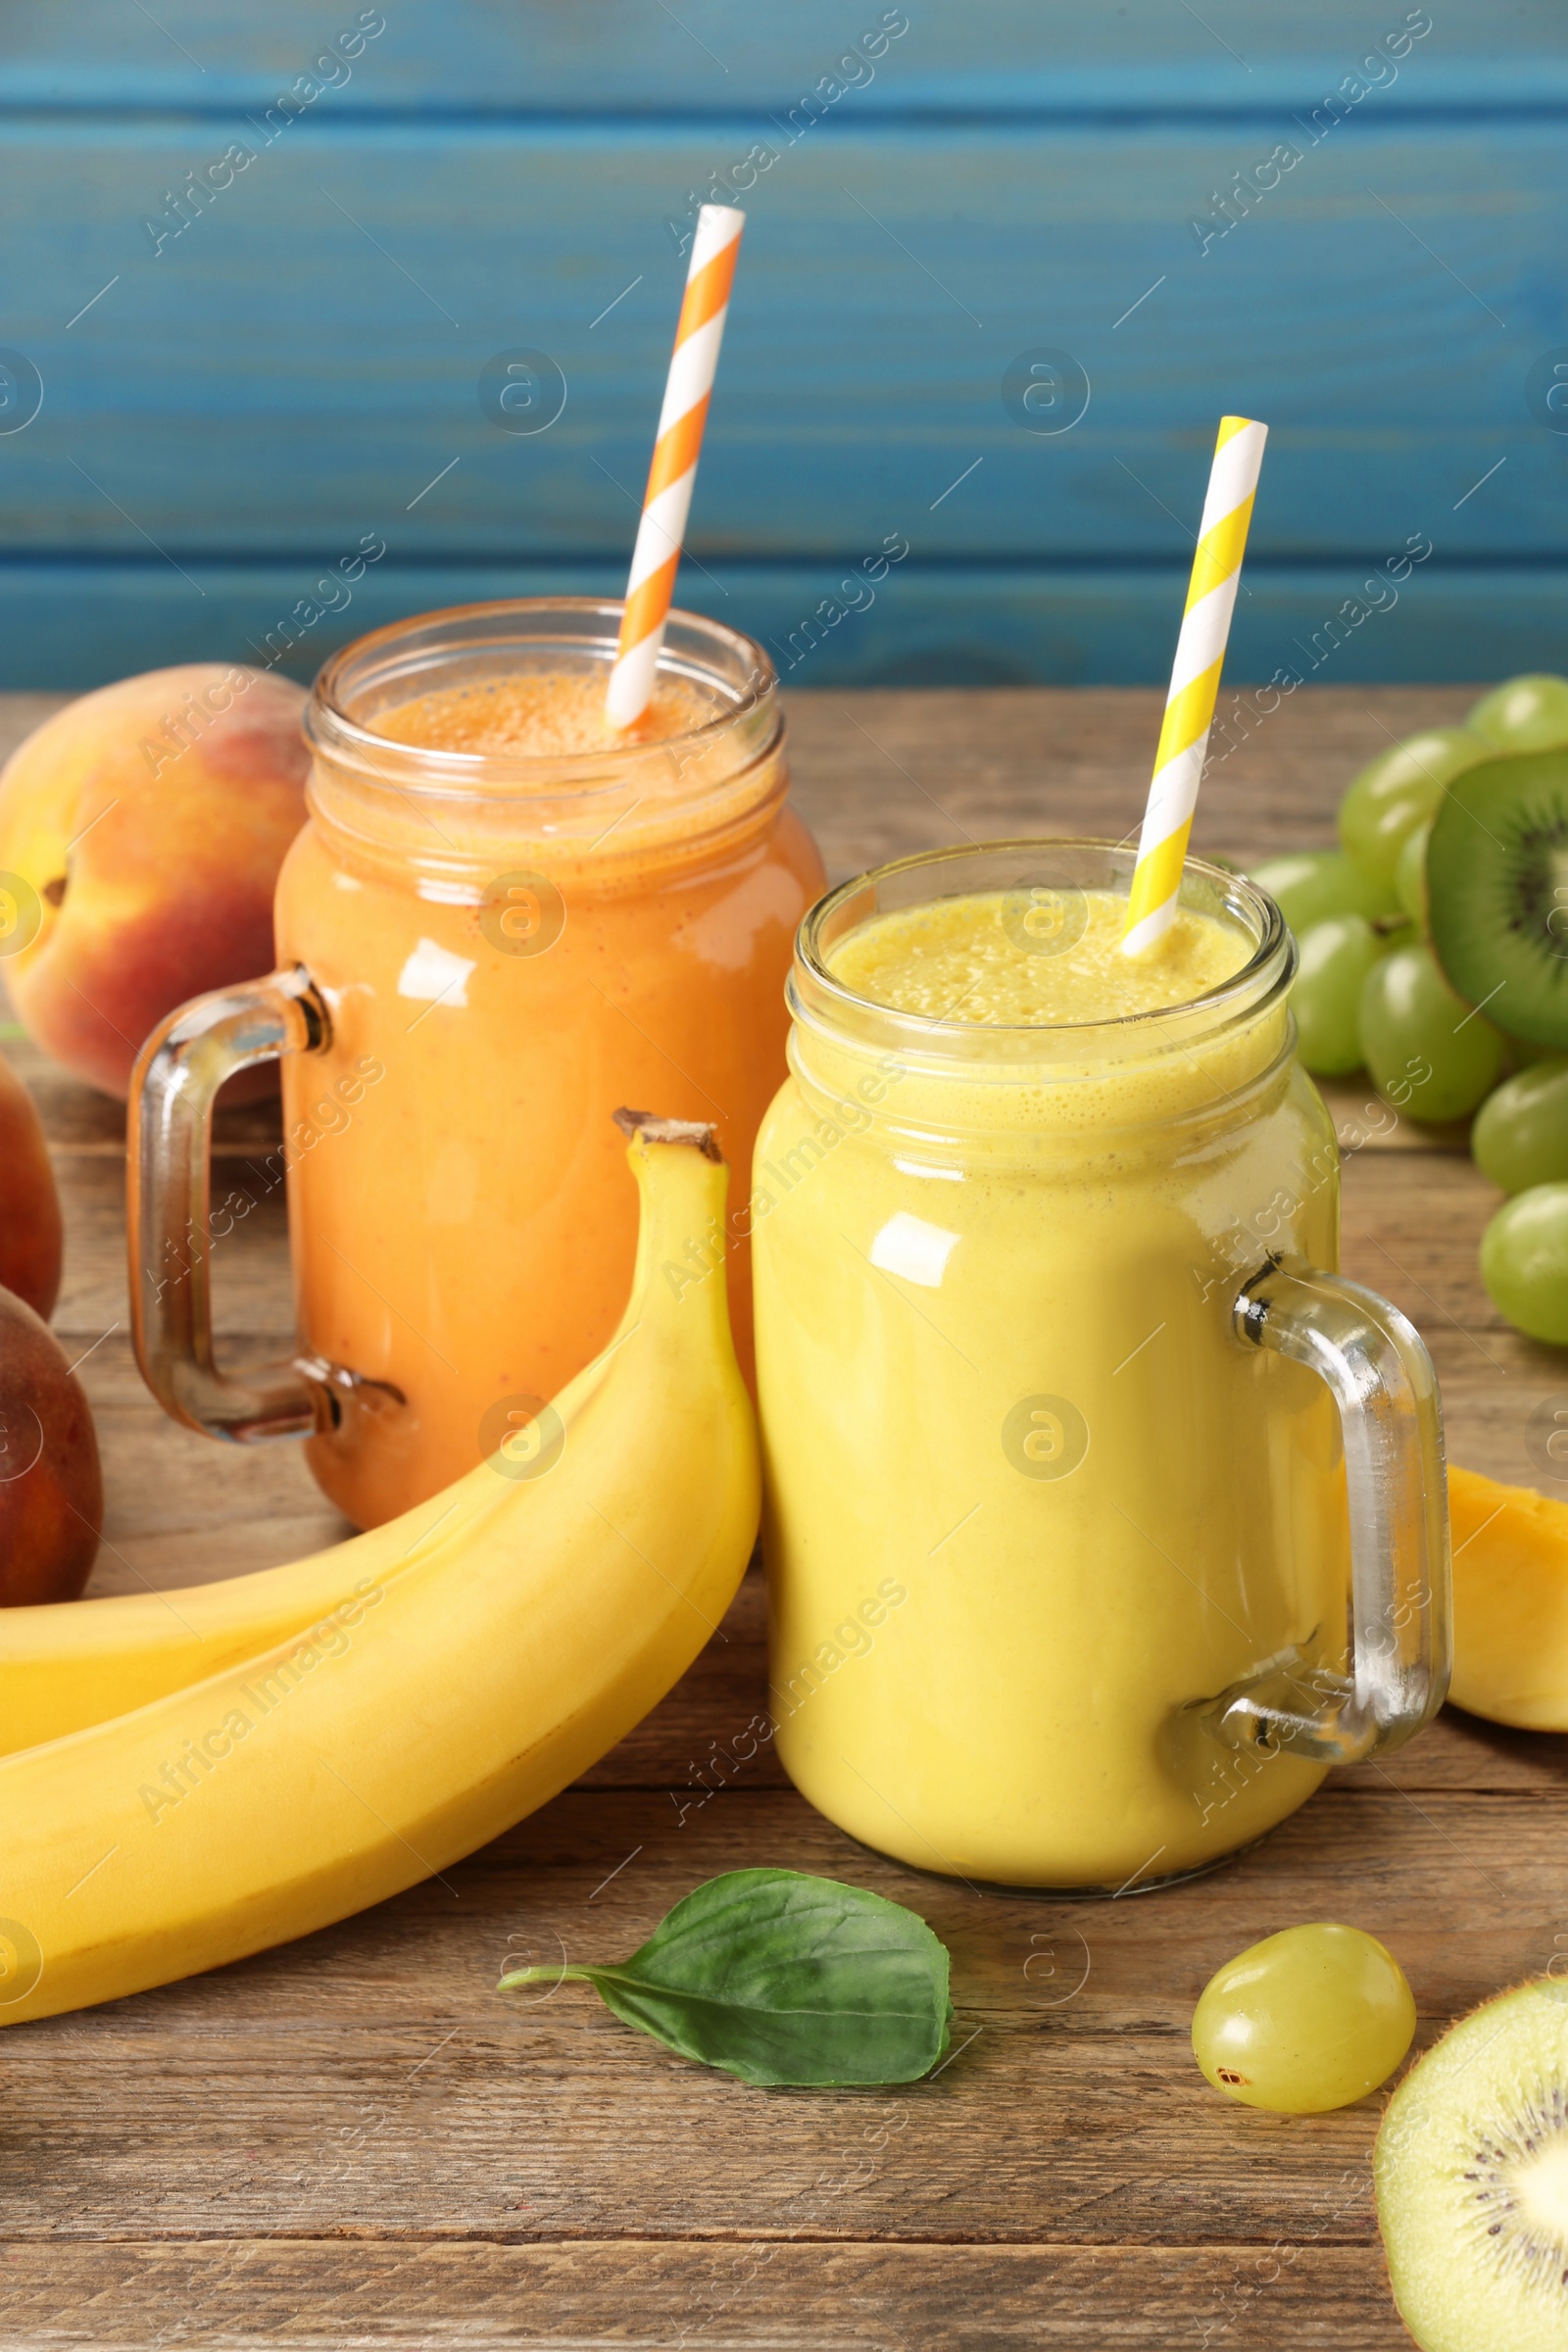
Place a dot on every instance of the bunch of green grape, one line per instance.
(1372, 994)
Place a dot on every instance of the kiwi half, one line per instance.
(1497, 891)
(1472, 2180)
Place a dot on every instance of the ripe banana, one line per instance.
(66, 1665)
(519, 1642)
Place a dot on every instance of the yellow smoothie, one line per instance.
(974, 960)
(1029, 1504)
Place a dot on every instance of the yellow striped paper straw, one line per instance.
(668, 498)
(1195, 682)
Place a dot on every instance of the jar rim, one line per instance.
(827, 1001)
(737, 665)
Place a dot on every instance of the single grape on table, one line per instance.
(1524, 1262)
(1307, 2020)
(1430, 1051)
(1520, 1137)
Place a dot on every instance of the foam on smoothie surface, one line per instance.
(540, 714)
(970, 959)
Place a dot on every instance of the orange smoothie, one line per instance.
(549, 713)
(518, 919)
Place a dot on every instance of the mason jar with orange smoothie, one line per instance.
(503, 919)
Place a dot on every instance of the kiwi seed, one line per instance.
(1497, 892)
(1472, 2180)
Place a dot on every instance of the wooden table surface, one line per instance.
(356, 2140)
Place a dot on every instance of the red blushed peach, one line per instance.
(29, 1206)
(51, 1489)
(142, 830)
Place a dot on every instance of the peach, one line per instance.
(29, 1206)
(51, 1489)
(142, 830)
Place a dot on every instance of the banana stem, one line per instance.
(651, 1128)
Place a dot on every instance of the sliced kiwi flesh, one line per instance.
(1471, 2168)
(1497, 891)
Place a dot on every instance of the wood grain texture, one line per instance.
(880, 775)
(357, 2140)
(1012, 57)
(302, 359)
(73, 625)
(238, 2294)
(370, 2079)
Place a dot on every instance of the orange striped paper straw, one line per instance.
(668, 499)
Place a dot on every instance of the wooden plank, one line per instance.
(884, 774)
(241, 2294)
(250, 1294)
(1463, 1752)
(1009, 58)
(1488, 1405)
(1410, 1225)
(371, 2080)
(299, 364)
(880, 774)
(372, 2083)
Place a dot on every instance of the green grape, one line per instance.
(1310, 2019)
(1520, 1137)
(1308, 886)
(1399, 790)
(1410, 875)
(1524, 1262)
(1326, 1000)
(1427, 1050)
(1523, 714)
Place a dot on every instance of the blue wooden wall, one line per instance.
(228, 409)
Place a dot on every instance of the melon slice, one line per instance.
(1510, 1602)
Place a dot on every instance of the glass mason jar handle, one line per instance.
(178, 1071)
(1381, 1375)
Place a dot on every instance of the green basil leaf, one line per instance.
(781, 1978)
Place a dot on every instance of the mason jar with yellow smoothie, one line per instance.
(504, 920)
(1102, 1516)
